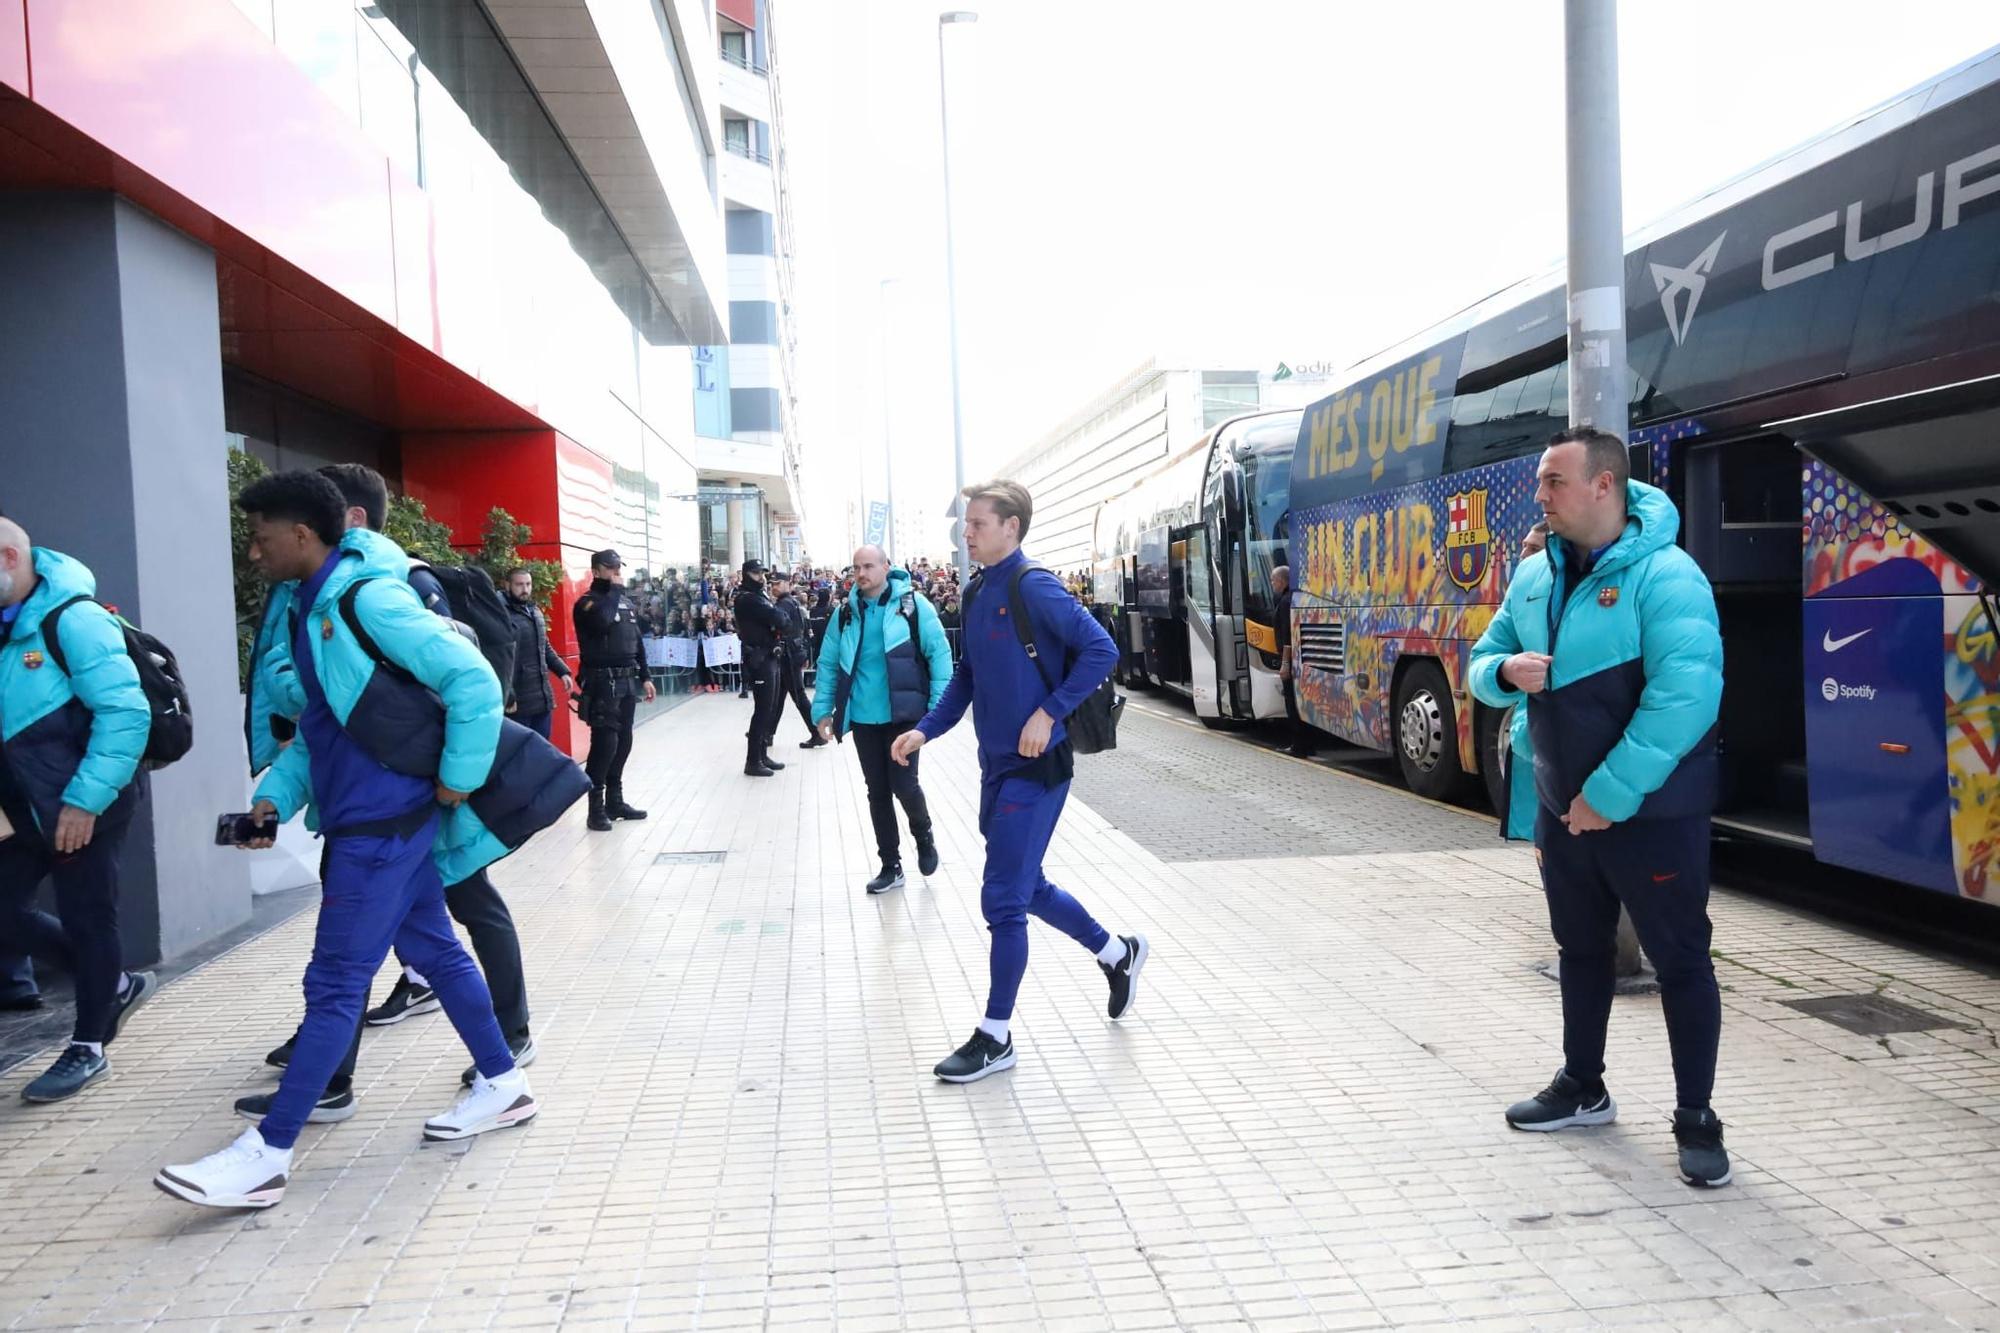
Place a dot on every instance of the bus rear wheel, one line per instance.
(1426, 737)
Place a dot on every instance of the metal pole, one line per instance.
(888, 449)
(951, 298)
(1599, 392)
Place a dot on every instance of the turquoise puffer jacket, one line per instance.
(76, 738)
(390, 717)
(273, 691)
(1628, 719)
(916, 673)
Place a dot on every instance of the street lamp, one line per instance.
(946, 19)
(888, 438)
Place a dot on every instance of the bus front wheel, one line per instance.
(1427, 733)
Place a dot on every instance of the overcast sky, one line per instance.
(1288, 179)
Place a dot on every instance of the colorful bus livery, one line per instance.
(1815, 357)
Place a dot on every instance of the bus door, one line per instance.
(1228, 597)
(1199, 573)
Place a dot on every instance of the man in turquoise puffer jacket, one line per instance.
(876, 677)
(1610, 642)
(70, 745)
(470, 898)
(380, 747)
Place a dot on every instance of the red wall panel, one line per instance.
(14, 45)
(742, 11)
(194, 95)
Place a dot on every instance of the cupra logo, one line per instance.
(1671, 282)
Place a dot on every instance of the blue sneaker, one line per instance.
(74, 1070)
(140, 987)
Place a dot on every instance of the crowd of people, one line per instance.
(410, 725)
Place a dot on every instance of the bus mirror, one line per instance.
(1232, 491)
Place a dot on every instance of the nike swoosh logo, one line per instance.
(1834, 645)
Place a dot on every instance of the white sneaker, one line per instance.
(490, 1103)
(249, 1173)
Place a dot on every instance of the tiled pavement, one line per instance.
(1298, 1128)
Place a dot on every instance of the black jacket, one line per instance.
(759, 624)
(795, 628)
(608, 633)
(534, 659)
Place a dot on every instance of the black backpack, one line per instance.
(1093, 727)
(476, 603)
(172, 733)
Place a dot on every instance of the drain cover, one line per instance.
(1871, 1015)
(688, 858)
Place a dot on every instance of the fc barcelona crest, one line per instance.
(1467, 541)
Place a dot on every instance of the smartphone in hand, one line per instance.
(236, 830)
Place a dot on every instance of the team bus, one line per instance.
(1182, 562)
(1815, 357)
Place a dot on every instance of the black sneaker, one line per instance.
(813, 744)
(522, 1048)
(890, 878)
(976, 1059)
(1704, 1161)
(1124, 978)
(140, 988)
(927, 857)
(330, 1109)
(74, 1070)
(281, 1057)
(1563, 1103)
(407, 1000)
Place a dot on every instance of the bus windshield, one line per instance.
(1265, 455)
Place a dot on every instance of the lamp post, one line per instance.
(945, 20)
(888, 437)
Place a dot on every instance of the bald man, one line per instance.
(1301, 746)
(73, 727)
(883, 664)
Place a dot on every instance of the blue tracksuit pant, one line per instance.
(1017, 817)
(1658, 868)
(378, 892)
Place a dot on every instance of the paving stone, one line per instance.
(1298, 1127)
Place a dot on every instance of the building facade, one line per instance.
(1119, 436)
(467, 242)
(747, 447)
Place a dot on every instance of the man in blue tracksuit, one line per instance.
(1610, 641)
(70, 745)
(883, 664)
(1024, 762)
(387, 769)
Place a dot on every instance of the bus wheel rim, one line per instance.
(1423, 730)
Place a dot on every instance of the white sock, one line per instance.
(94, 1047)
(416, 978)
(995, 1028)
(1113, 952)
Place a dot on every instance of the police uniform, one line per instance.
(792, 674)
(612, 676)
(761, 628)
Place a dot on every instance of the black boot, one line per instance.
(753, 763)
(599, 821)
(764, 758)
(614, 805)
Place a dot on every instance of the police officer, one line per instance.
(792, 670)
(613, 675)
(761, 627)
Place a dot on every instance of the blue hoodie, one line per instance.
(1628, 718)
(1002, 684)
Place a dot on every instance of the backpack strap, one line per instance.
(50, 624)
(360, 631)
(1017, 611)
